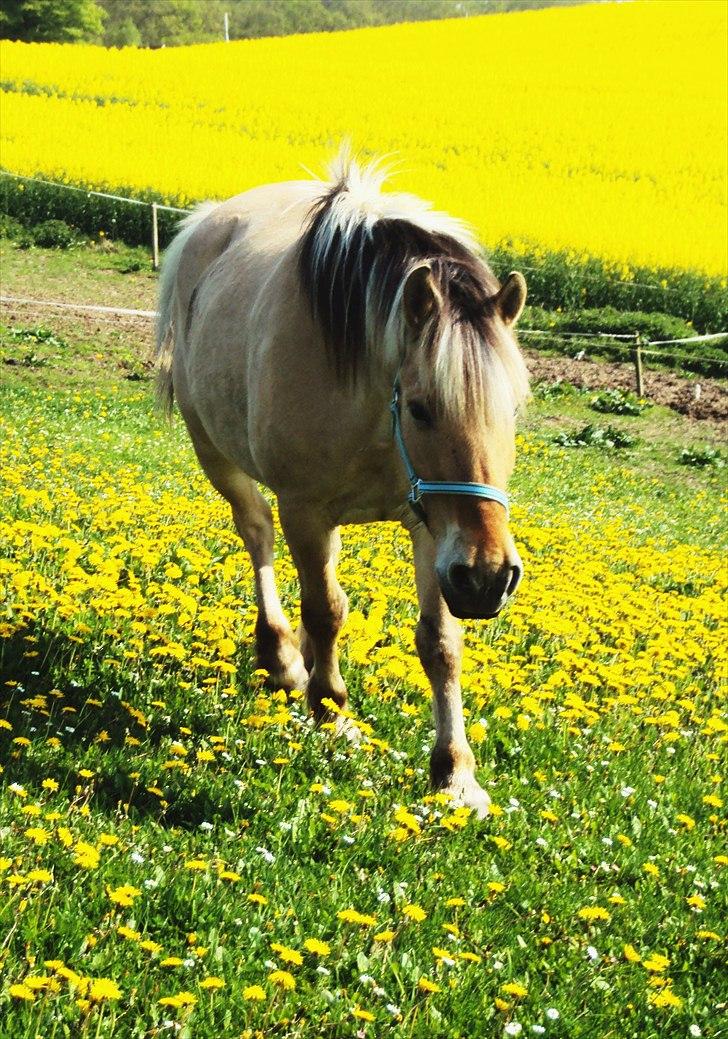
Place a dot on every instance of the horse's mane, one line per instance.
(358, 249)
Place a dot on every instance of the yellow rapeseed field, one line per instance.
(600, 128)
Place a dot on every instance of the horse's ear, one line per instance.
(511, 298)
(420, 298)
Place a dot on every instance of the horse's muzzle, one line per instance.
(477, 591)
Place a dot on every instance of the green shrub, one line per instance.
(10, 227)
(544, 390)
(619, 402)
(32, 203)
(702, 456)
(570, 282)
(595, 436)
(53, 234)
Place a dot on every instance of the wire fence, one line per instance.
(640, 349)
(644, 346)
(88, 191)
(154, 207)
(616, 341)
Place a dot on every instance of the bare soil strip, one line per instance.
(697, 398)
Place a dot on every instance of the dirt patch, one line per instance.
(698, 398)
(82, 324)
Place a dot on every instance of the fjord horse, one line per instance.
(351, 350)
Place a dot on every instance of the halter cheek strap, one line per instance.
(418, 488)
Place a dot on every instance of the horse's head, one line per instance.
(461, 380)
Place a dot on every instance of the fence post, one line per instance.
(155, 238)
(637, 354)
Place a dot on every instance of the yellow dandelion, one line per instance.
(182, 999)
(123, 895)
(414, 912)
(352, 916)
(665, 998)
(512, 988)
(22, 992)
(656, 963)
(254, 992)
(425, 985)
(282, 979)
(103, 988)
(212, 983)
(594, 913)
(286, 954)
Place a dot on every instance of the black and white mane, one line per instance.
(358, 249)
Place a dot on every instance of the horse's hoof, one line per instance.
(295, 676)
(465, 790)
(349, 729)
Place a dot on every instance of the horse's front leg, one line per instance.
(439, 645)
(315, 545)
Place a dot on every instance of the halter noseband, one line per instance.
(418, 488)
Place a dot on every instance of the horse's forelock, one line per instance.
(357, 251)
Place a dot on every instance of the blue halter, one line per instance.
(418, 488)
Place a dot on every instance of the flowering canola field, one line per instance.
(182, 853)
(599, 129)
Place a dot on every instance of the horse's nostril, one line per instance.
(461, 577)
(516, 574)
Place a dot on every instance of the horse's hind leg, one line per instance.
(276, 646)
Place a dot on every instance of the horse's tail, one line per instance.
(167, 294)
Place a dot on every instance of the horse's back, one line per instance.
(266, 220)
(237, 315)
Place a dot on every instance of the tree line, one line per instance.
(169, 23)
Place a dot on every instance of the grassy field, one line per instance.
(183, 854)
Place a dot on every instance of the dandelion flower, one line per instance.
(22, 992)
(286, 954)
(414, 912)
(594, 913)
(282, 979)
(212, 983)
(254, 992)
(425, 985)
(352, 916)
(103, 988)
(514, 989)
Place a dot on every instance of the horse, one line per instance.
(351, 350)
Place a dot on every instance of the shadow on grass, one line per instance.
(68, 713)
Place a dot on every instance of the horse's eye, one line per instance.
(419, 413)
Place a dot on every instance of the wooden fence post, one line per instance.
(638, 364)
(155, 238)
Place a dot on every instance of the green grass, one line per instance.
(138, 728)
